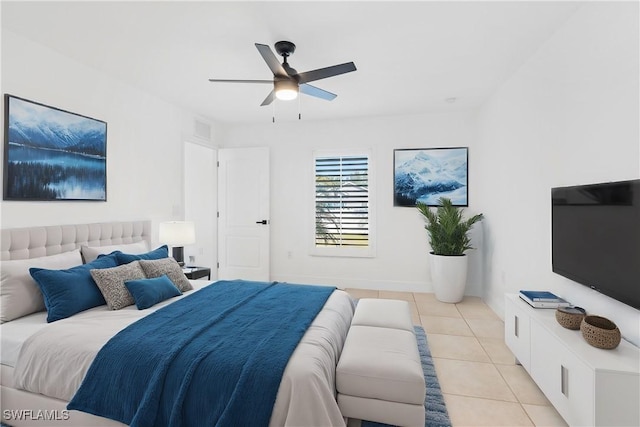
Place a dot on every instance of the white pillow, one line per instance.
(19, 293)
(89, 253)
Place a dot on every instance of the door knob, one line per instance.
(263, 222)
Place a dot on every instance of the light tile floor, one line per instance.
(480, 381)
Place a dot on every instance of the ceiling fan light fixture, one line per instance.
(287, 82)
(286, 90)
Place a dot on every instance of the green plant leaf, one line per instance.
(447, 229)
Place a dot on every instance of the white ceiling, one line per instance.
(411, 56)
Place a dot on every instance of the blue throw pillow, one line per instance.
(161, 252)
(148, 292)
(67, 292)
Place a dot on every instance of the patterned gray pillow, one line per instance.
(169, 266)
(111, 283)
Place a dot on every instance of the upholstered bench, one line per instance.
(384, 313)
(379, 375)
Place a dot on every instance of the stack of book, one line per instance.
(543, 299)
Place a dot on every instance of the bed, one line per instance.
(306, 394)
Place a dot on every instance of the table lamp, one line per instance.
(177, 234)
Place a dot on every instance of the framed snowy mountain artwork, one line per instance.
(426, 174)
(52, 154)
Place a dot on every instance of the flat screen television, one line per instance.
(595, 237)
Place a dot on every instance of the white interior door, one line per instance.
(243, 206)
(200, 204)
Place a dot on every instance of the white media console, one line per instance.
(588, 386)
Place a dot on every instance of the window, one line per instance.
(343, 205)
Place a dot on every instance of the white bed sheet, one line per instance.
(306, 395)
(13, 334)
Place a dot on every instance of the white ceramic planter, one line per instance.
(449, 277)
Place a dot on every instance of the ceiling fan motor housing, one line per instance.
(285, 48)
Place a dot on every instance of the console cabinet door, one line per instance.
(617, 397)
(567, 382)
(516, 332)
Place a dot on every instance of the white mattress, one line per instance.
(13, 334)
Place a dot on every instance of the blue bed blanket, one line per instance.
(215, 357)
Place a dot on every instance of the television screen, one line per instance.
(595, 239)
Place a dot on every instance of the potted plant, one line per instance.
(449, 239)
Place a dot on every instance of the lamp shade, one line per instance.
(177, 233)
(286, 90)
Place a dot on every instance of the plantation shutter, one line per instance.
(342, 201)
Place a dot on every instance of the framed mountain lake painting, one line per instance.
(427, 174)
(52, 154)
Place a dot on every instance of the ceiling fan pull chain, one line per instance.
(299, 115)
(273, 112)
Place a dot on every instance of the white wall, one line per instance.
(201, 204)
(144, 138)
(401, 260)
(569, 116)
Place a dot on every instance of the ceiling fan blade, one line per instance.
(271, 60)
(317, 92)
(240, 81)
(269, 99)
(323, 73)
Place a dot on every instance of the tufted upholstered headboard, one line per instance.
(34, 242)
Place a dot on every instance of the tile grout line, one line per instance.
(490, 361)
(518, 401)
(495, 400)
(486, 398)
(496, 368)
(476, 337)
(517, 398)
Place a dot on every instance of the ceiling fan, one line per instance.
(287, 82)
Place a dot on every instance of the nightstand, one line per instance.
(194, 273)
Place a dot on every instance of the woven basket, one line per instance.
(600, 332)
(570, 318)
